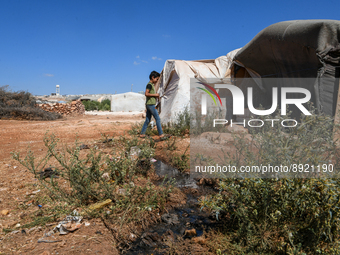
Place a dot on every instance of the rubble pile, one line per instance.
(75, 107)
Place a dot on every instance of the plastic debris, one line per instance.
(134, 152)
(152, 160)
(48, 173)
(122, 191)
(69, 224)
(84, 147)
(106, 176)
(100, 205)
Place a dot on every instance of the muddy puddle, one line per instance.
(183, 221)
(182, 180)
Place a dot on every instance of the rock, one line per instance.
(168, 236)
(133, 237)
(237, 129)
(190, 232)
(5, 212)
(150, 239)
(199, 240)
(10, 224)
(171, 219)
(208, 181)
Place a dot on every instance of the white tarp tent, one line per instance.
(126, 102)
(174, 83)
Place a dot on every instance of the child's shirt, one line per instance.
(151, 100)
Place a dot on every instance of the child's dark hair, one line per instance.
(154, 74)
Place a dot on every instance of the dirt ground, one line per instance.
(17, 184)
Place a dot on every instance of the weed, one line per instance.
(181, 162)
(289, 216)
(171, 144)
(21, 105)
(40, 221)
(82, 182)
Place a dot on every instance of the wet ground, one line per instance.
(184, 221)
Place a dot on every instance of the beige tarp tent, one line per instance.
(127, 102)
(174, 83)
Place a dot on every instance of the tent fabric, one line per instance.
(296, 49)
(126, 102)
(174, 82)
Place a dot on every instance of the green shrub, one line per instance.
(105, 105)
(84, 177)
(283, 215)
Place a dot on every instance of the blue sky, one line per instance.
(105, 46)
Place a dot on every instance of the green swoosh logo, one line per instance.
(209, 94)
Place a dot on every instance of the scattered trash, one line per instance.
(134, 152)
(34, 229)
(39, 206)
(107, 140)
(48, 173)
(106, 176)
(23, 231)
(152, 160)
(122, 191)
(87, 224)
(100, 205)
(99, 233)
(17, 225)
(35, 192)
(69, 224)
(84, 147)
